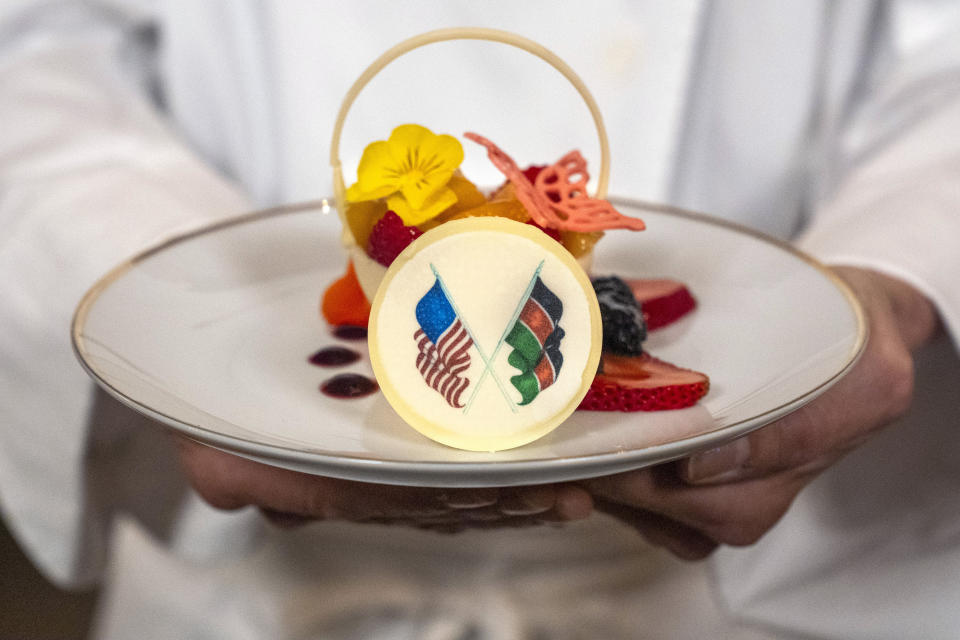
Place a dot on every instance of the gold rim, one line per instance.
(83, 307)
(340, 460)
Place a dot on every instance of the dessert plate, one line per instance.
(210, 333)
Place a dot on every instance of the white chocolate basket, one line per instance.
(370, 272)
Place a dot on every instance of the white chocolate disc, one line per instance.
(485, 334)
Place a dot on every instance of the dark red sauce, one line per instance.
(334, 357)
(350, 332)
(348, 385)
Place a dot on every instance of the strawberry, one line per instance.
(389, 237)
(643, 383)
(663, 301)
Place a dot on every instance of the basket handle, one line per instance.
(465, 33)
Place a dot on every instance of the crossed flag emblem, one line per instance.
(444, 339)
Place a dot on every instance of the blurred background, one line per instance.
(34, 609)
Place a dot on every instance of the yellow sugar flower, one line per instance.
(411, 170)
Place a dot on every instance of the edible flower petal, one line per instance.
(431, 208)
(411, 169)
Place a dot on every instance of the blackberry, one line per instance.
(623, 326)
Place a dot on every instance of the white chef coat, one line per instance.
(841, 117)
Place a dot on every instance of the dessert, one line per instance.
(485, 332)
(410, 183)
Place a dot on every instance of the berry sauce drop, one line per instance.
(334, 357)
(348, 385)
(350, 332)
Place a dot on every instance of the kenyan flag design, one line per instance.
(535, 339)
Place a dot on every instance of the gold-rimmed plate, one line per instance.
(210, 333)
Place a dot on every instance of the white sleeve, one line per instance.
(89, 174)
(897, 208)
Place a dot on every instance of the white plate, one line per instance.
(210, 333)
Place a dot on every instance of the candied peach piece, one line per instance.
(511, 209)
(579, 243)
(361, 216)
(468, 197)
(344, 302)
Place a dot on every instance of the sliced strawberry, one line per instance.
(663, 301)
(643, 383)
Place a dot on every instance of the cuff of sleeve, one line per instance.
(912, 234)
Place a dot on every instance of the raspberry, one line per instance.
(553, 233)
(389, 237)
(531, 172)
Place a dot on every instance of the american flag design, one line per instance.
(443, 345)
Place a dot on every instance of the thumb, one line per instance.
(878, 389)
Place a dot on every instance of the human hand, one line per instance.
(737, 492)
(288, 498)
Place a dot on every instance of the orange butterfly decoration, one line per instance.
(558, 198)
